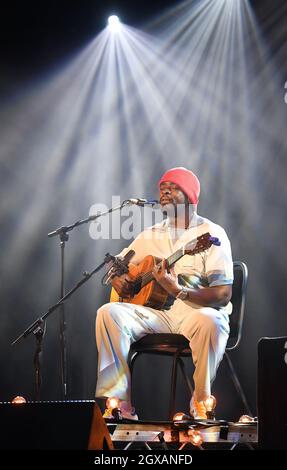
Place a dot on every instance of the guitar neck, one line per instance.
(197, 245)
(148, 277)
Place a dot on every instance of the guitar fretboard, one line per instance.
(201, 243)
(147, 277)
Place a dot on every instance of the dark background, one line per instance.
(35, 38)
(34, 35)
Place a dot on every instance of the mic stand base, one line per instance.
(38, 332)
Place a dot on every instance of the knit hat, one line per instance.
(186, 180)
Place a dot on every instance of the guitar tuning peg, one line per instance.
(215, 241)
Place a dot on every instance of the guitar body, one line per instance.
(150, 295)
(146, 291)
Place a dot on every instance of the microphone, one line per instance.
(142, 202)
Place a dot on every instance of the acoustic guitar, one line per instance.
(144, 288)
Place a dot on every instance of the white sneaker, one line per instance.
(128, 411)
(127, 415)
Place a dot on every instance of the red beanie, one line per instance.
(185, 180)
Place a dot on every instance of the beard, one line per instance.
(173, 210)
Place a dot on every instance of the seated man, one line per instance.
(200, 287)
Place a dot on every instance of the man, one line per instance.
(199, 312)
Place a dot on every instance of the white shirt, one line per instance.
(212, 267)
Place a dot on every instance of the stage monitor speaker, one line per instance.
(53, 425)
(272, 393)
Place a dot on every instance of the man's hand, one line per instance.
(167, 279)
(216, 296)
(123, 285)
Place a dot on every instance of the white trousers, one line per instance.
(120, 324)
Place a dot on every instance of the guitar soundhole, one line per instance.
(137, 287)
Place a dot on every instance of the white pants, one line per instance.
(120, 324)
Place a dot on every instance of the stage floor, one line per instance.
(214, 435)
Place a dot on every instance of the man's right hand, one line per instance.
(123, 285)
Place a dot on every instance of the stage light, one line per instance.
(114, 23)
(19, 400)
(113, 408)
(113, 402)
(210, 404)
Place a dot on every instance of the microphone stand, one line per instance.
(38, 326)
(64, 237)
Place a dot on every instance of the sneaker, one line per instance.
(131, 415)
(197, 409)
(128, 411)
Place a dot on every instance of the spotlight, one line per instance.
(19, 400)
(114, 23)
(113, 402)
(210, 404)
(113, 410)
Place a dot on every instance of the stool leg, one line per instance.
(173, 387)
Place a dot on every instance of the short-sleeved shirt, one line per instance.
(212, 267)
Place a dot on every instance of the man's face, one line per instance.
(170, 195)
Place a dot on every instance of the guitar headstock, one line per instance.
(201, 243)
